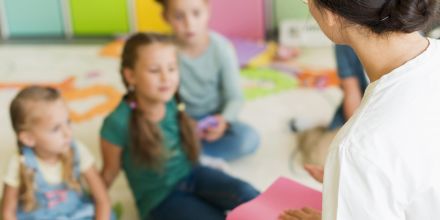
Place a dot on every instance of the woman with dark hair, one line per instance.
(382, 164)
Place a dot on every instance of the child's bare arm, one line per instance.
(99, 194)
(111, 155)
(352, 96)
(9, 202)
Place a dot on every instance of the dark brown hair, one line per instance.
(384, 16)
(164, 3)
(22, 117)
(146, 137)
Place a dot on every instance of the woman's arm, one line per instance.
(99, 194)
(111, 155)
(9, 202)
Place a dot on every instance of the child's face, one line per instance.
(155, 75)
(50, 133)
(189, 19)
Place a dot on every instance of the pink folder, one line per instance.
(282, 195)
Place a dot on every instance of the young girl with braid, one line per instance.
(151, 138)
(43, 179)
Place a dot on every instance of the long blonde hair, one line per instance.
(146, 138)
(21, 118)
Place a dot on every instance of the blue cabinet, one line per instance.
(33, 18)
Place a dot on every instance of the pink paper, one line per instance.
(282, 195)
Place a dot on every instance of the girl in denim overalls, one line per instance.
(43, 180)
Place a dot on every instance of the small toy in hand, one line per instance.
(208, 122)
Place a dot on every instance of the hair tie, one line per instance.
(385, 18)
(181, 107)
(131, 88)
(133, 105)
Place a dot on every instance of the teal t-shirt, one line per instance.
(149, 186)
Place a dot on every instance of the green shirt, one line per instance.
(149, 187)
(210, 83)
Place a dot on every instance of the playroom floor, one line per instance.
(54, 63)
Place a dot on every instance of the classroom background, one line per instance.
(288, 71)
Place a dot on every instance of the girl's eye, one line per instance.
(178, 16)
(154, 71)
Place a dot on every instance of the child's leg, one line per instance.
(185, 206)
(338, 119)
(239, 140)
(220, 189)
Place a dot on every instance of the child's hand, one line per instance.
(215, 133)
(317, 172)
(302, 214)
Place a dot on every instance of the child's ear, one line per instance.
(332, 19)
(26, 138)
(129, 76)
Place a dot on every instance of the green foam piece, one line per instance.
(118, 210)
(260, 82)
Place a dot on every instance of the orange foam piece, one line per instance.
(319, 78)
(67, 84)
(113, 49)
(112, 99)
(71, 93)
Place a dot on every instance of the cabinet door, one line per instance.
(99, 17)
(239, 18)
(149, 17)
(34, 18)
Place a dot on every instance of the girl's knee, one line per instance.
(250, 141)
(246, 192)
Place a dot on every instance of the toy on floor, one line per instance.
(206, 123)
(314, 144)
(282, 195)
(247, 50)
(319, 79)
(113, 49)
(260, 82)
(284, 53)
(290, 69)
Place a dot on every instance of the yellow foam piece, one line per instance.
(265, 58)
(149, 17)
